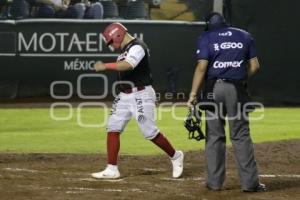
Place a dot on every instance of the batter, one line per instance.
(136, 100)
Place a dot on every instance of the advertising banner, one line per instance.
(38, 52)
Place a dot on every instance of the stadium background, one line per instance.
(273, 27)
(44, 158)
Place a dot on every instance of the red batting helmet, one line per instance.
(114, 34)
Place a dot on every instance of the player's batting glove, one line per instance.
(99, 66)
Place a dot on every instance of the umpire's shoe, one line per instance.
(177, 162)
(260, 188)
(110, 172)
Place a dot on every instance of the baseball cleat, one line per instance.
(177, 163)
(108, 173)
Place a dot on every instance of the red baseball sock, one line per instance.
(113, 147)
(164, 144)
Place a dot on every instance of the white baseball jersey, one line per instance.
(136, 104)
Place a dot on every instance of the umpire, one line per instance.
(226, 59)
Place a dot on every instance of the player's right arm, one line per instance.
(132, 59)
(117, 66)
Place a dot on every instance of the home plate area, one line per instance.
(67, 176)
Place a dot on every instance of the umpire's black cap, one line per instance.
(214, 20)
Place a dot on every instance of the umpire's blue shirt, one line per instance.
(227, 51)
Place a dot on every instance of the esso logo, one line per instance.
(231, 45)
(228, 33)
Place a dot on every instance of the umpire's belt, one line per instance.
(134, 89)
(220, 80)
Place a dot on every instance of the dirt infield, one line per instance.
(56, 176)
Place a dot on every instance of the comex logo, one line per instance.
(234, 64)
(228, 33)
(228, 45)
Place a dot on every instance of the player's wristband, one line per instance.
(111, 66)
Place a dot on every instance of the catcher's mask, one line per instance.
(193, 124)
(114, 35)
(214, 20)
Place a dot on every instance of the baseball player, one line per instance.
(226, 58)
(136, 99)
